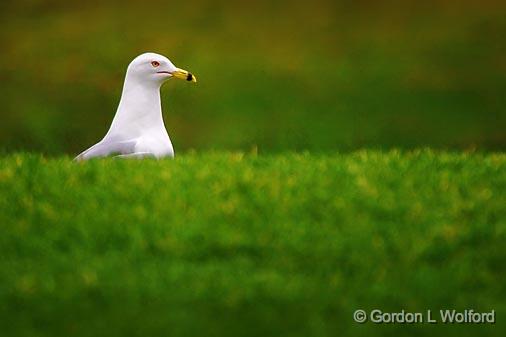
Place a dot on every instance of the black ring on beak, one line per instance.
(189, 77)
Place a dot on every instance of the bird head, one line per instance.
(155, 68)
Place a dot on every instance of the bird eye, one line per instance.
(155, 64)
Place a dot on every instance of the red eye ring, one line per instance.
(155, 64)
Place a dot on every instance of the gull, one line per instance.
(137, 130)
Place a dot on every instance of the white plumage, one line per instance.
(137, 129)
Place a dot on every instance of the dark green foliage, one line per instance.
(222, 244)
(282, 75)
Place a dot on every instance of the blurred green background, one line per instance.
(277, 75)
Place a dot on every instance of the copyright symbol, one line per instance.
(360, 316)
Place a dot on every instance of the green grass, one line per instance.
(231, 244)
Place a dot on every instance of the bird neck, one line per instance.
(139, 110)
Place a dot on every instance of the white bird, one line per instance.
(137, 129)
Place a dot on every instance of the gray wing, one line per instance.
(107, 147)
(137, 155)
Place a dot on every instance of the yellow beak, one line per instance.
(184, 75)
